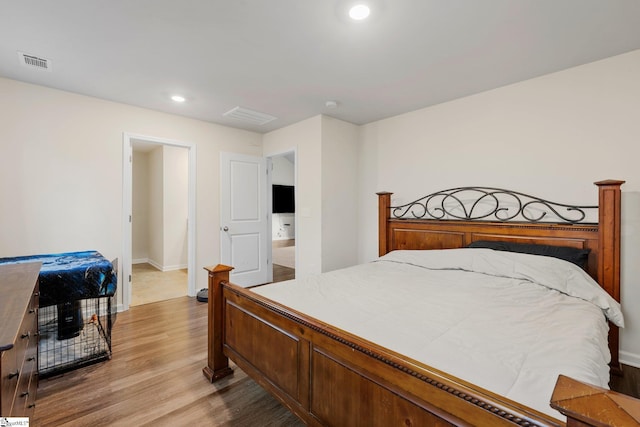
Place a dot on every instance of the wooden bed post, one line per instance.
(587, 405)
(609, 252)
(384, 204)
(217, 363)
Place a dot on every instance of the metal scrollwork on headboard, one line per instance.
(486, 203)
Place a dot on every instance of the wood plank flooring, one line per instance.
(628, 383)
(155, 378)
(281, 273)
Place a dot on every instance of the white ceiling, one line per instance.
(287, 58)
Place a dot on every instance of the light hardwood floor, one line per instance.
(280, 272)
(283, 252)
(151, 285)
(155, 378)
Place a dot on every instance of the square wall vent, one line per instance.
(33, 61)
(249, 116)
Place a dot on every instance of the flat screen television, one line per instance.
(283, 198)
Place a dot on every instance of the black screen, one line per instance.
(283, 199)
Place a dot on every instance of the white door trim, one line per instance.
(127, 203)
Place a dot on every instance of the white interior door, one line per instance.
(244, 218)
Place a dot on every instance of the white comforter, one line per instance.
(508, 322)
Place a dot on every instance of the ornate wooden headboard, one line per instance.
(450, 219)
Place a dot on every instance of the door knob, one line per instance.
(225, 228)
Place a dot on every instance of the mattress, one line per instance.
(507, 322)
(72, 276)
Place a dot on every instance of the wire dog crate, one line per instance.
(77, 309)
(74, 334)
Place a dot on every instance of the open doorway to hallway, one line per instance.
(159, 222)
(283, 222)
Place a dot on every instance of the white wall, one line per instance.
(551, 136)
(159, 207)
(61, 171)
(140, 207)
(339, 194)
(155, 219)
(326, 190)
(305, 138)
(283, 171)
(174, 204)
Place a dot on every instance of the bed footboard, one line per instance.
(327, 376)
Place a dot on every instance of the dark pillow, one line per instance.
(577, 256)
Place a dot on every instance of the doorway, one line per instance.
(159, 223)
(283, 223)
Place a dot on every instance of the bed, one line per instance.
(329, 370)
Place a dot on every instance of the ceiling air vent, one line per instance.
(249, 116)
(33, 61)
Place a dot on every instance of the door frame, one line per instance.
(127, 207)
(270, 156)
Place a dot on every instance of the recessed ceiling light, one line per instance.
(359, 12)
(178, 98)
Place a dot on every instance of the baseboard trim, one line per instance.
(155, 264)
(140, 261)
(164, 269)
(174, 267)
(628, 358)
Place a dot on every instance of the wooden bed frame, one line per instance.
(327, 376)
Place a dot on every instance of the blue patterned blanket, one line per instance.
(72, 276)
